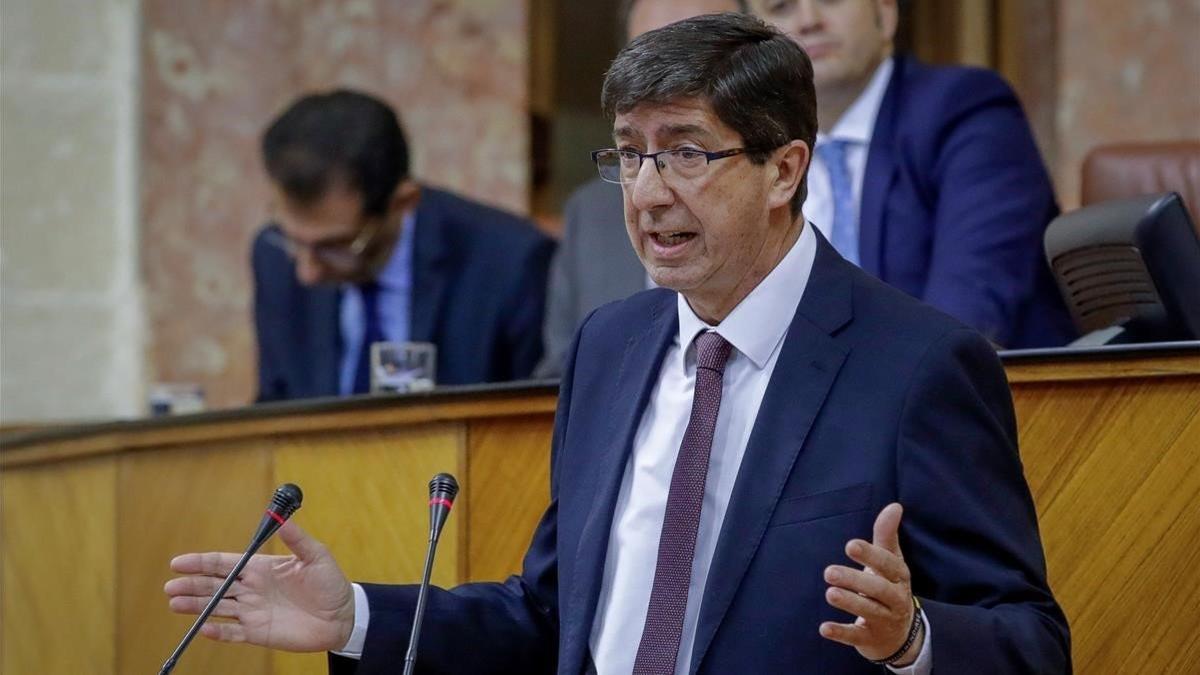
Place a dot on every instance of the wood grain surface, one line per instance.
(1114, 467)
(58, 538)
(92, 516)
(172, 501)
(507, 490)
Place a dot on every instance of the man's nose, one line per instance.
(650, 190)
(808, 17)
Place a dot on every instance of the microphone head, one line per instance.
(283, 504)
(286, 500)
(443, 486)
(442, 491)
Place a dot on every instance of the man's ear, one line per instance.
(791, 164)
(405, 196)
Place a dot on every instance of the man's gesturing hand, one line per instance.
(880, 594)
(299, 602)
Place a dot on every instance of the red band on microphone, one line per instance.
(279, 519)
(441, 500)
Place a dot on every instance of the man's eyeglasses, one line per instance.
(622, 166)
(341, 256)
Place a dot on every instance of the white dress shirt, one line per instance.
(756, 328)
(856, 126)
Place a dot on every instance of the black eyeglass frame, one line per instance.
(709, 158)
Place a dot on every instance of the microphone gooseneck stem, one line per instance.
(410, 657)
(169, 664)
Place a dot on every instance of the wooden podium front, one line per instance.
(91, 515)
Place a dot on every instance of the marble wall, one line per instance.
(215, 73)
(131, 178)
(1126, 71)
(71, 326)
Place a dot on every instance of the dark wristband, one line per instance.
(917, 623)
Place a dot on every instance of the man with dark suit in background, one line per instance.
(729, 449)
(594, 263)
(359, 252)
(938, 188)
(928, 178)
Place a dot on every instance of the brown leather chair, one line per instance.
(1135, 169)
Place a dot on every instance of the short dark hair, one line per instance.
(342, 135)
(758, 81)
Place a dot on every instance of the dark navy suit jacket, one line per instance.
(479, 290)
(955, 201)
(875, 398)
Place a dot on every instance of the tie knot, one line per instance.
(712, 351)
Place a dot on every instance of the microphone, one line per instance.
(442, 491)
(283, 504)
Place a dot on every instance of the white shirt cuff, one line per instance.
(362, 617)
(924, 663)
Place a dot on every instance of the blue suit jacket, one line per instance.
(955, 201)
(875, 398)
(479, 281)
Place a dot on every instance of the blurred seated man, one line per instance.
(358, 252)
(595, 263)
(928, 178)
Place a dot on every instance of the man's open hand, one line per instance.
(880, 594)
(300, 602)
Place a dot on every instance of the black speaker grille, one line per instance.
(1106, 284)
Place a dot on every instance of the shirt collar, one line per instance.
(857, 124)
(757, 325)
(396, 273)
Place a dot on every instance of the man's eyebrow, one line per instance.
(625, 132)
(686, 130)
(669, 131)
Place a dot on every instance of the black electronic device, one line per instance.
(1129, 270)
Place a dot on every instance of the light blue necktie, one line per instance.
(844, 234)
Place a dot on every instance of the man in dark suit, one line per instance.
(728, 455)
(359, 252)
(940, 189)
(928, 178)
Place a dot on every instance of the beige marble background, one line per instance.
(1126, 71)
(214, 74)
(130, 182)
(71, 311)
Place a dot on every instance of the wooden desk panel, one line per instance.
(58, 552)
(507, 488)
(208, 498)
(365, 500)
(1111, 448)
(81, 503)
(1112, 455)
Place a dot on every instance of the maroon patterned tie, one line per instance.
(677, 544)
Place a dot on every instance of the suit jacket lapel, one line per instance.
(806, 368)
(430, 269)
(636, 376)
(878, 174)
